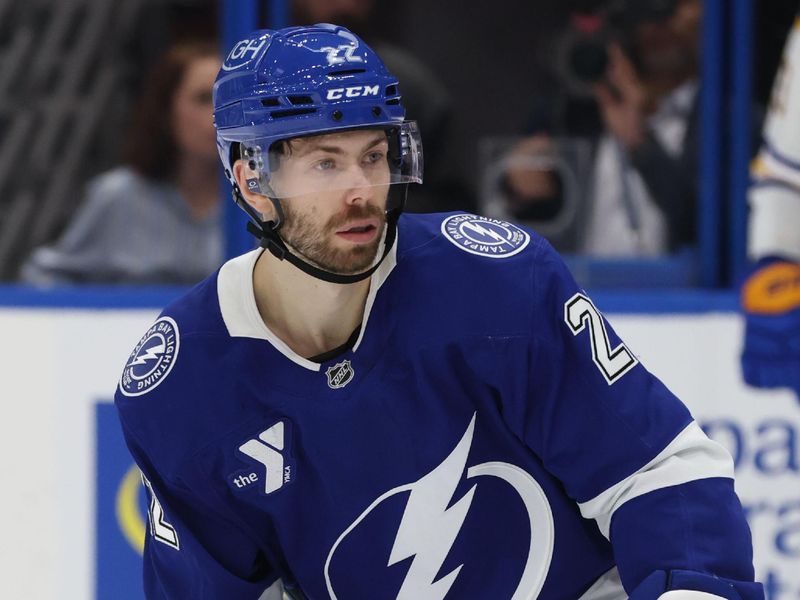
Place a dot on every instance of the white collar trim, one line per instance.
(237, 302)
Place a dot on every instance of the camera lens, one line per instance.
(588, 60)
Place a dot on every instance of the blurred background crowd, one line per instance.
(579, 118)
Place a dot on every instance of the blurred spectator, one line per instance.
(628, 85)
(156, 219)
(424, 96)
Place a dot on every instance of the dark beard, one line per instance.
(314, 246)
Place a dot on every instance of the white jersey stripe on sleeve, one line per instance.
(607, 587)
(770, 164)
(689, 595)
(774, 214)
(782, 125)
(689, 457)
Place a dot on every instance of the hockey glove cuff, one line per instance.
(770, 301)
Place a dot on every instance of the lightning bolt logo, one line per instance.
(429, 528)
(481, 230)
(153, 353)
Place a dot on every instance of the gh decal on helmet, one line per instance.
(329, 81)
(244, 52)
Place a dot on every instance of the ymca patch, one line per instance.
(485, 237)
(271, 449)
(152, 359)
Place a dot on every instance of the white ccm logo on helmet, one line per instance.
(352, 92)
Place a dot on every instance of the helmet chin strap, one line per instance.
(267, 234)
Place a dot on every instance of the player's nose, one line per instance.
(357, 177)
(359, 186)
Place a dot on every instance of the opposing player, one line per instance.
(413, 407)
(771, 295)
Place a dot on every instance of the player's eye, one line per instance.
(375, 157)
(326, 164)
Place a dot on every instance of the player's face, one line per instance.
(337, 226)
(192, 107)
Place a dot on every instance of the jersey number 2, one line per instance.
(159, 528)
(613, 364)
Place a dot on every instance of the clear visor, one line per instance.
(335, 162)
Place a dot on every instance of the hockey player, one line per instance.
(771, 295)
(416, 407)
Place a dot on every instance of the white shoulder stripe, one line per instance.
(607, 587)
(689, 595)
(689, 457)
(774, 214)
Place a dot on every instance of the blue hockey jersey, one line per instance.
(488, 436)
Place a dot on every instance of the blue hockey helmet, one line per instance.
(276, 86)
(305, 81)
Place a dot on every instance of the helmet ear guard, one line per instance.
(254, 185)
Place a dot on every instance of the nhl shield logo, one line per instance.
(340, 374)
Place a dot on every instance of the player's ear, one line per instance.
(245, 176)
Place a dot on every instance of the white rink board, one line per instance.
(698, 358)
(55, 364)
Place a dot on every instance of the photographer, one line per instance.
(627, 84)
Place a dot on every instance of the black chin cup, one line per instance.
(267, 234)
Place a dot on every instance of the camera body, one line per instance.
(583, 49)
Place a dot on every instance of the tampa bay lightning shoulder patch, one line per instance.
(484, 236)
(152, 359)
